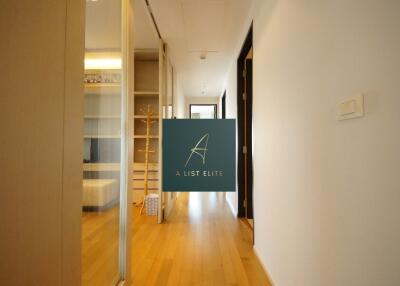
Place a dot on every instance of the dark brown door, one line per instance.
(247, 152)
(244, 123)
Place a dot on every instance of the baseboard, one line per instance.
(231, 207)
(263, 266)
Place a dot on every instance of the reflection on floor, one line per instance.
(201, 243)
(100, 235)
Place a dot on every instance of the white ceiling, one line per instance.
(192, 27)
(189, 27)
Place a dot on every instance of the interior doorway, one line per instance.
(244, 123)
(203, 111)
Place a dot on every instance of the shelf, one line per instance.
(139, 166)
(103, 89)
(151, 175)
(145, 116)
(146, 93)
(102, 136)
(102, 117)
(102, 85)
(144, 136)
(150, 190)
(152, 184)
(98, 167)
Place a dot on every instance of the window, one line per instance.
(203, 111)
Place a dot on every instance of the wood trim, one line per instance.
(129, 59)
(240, 117)
(223, 105)
(72, 147)
(161, 79)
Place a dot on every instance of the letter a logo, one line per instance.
(200, 149)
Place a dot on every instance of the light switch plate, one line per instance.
(351, 108)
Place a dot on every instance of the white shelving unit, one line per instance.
(147, 77)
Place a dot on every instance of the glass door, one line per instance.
(104, 184)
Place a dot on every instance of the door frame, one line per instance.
(223, 105)
(247, 45)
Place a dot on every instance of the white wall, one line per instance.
(231, 112)
(326, 192)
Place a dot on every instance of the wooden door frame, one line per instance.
(247, 45)
(223, 105)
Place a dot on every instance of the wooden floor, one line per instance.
(201, 243)
(100, 256)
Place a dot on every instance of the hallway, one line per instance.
(201, 243)
(290, 108)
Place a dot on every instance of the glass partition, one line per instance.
(102, 165)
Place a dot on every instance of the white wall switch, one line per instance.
(351, 108)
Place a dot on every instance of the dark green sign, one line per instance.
(199, 155)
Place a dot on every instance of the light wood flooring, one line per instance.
(100, 238)
(201, 243)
